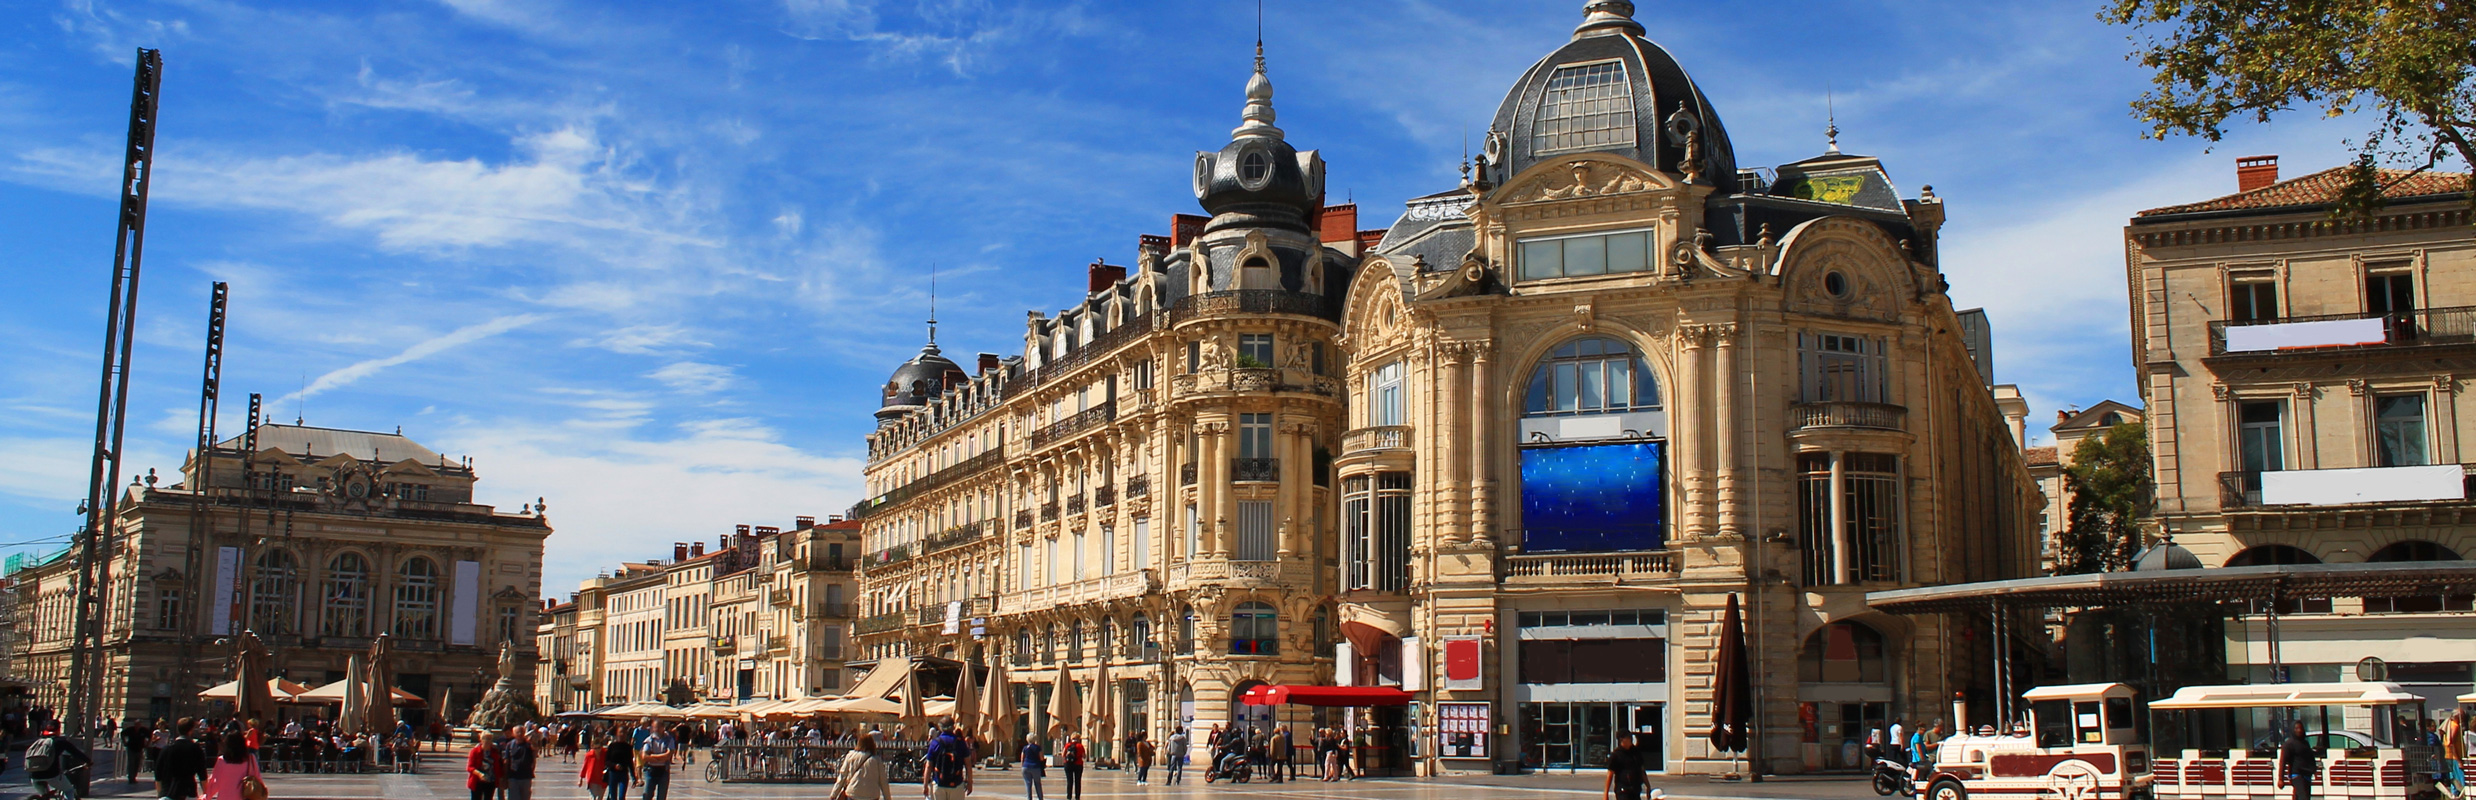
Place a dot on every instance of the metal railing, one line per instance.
(1880, 416)
(1186, 474)
(1377, 437)
(878, 623)
(1074, 503)
(1082, 421)
(890, 556)
(1255, 470)
(805, 763)
(1048, 512)
(1139, 486)
(960, 470)
(833, 610)
(2423, 327)
(960, 534)
(1254, 301)
(1023, 518)
(1105, 496)
(2242, 489)
(1081, 355)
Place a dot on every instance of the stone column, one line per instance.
(1224, 492)
(1482, 482)
(1685, 428)
(1210, 473)
(1725, 417)
(1450, 417)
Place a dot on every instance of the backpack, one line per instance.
(42, 758)
(949, 760)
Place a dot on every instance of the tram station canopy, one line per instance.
(2232, 584)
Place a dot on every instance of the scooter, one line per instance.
(1892, 777)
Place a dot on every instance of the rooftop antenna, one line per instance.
(1831, 115)
(300, 402)
(932, 317)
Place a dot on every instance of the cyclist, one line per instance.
(50, 759)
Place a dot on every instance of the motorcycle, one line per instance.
(1892, 777)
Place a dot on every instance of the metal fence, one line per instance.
(803, 763)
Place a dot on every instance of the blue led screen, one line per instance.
(1598, 497)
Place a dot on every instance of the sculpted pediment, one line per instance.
(1581, 177)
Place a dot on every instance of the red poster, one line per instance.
(1461, 663)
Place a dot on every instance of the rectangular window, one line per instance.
(1849, 518)
(2389, 292)
(1585, 255)
(1142, 553)
(1315, 352)
(1354, 534)
(1194, 355)
(1194, 532)
(1255, 350)
(1079, 551)
(2398, 431)
(1387, 408)
(1255, 436)
(2251, 298)
(1049, 562)
(1552, 661)
(1843, 369)
(1255, 531)
(2261, 437)
(1143, 374)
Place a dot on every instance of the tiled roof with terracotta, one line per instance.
(2323, 187)
(2040, 455)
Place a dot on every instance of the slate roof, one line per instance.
(304, 440)
(2321, 188)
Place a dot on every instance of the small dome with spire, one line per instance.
(1259, 179)
(1609, 90)
(919, 379)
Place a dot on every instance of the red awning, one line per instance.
(1327, 696)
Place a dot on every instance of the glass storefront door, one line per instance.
(1580, 735)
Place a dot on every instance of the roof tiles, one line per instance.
(2323, 187)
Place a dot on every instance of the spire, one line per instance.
(1831, 125)
(1259, 114)
(932, 317)
(1607, 18)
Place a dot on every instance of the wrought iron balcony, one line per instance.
(1023, 518)
(1255, 470)
(1086, 420)
(1139, 486)
(1105, 496)
(1048, 512)
(879, 623)
(1074, 503)
(958, 471)
(957, 535)
(1877, 416)
(1186, 474)
(2423, 327)
(890, 556)
(833, 611)
(1254, 301)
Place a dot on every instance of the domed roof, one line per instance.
(1258, 179)
(919, 379)
(2165, 555)
(1608, 91)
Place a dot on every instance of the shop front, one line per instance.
(1377, 721)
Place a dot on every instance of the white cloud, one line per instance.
(693, 377)
(645, 340)
(419, 350)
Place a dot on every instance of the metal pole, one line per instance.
(200, 483)
(86, 664)
(2277, 587)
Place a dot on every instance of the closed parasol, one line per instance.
(1101, 722)
(967, 702)
(378, 689)
(250, 665)
(1732, 693)
(1065, 706)
(351, 718)
(997, 709)
(914, 715)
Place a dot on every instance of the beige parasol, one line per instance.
(997, 709)
(1101, 721)
(377, 690)
(914, 715)
(250, 665)
(966, 703)
(1064, 706)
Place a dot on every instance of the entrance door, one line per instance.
(1643, 722)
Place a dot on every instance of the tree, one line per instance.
(2411, 63)
(2108, 482)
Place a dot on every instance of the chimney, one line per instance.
(767, 530)
(740, 529)
(1337, 225)
(696, 549)
(803, 522)
(679, 552)
(833, 518)
(2254, 172)
(2062, 417)
(989, 363)
(1102, 276)
(1183, 228)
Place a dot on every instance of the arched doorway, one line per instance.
(1843, 691)
(1241, 715)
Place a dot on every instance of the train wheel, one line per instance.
(1947, 790)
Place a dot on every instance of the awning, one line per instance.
(1326, 696)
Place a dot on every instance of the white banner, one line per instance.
(2304, 335)
(2331, 487)
(1345, 664)
(467, 614)
(227, 572)
(954, 617)
(1413, 665)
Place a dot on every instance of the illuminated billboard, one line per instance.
(1594, 497)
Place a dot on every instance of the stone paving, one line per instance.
(440, 778)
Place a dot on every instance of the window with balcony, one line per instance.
(1186, 630)
(2260, 443)
(1139, 635)
(1384, 397)
(2389, 291)
(1074, 641)
(2398, 431)
(1255, 531)
(1048, 646)
(1254, 630)
(1836, 368)
(1257, 274)
(1023, 648)
(2252, 297)
(1142, 553)
(1586, 255)
(1375, 529)
(1255, 350)
(1849, 517)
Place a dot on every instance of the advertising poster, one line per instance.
(1462, 665)
(1461, 730)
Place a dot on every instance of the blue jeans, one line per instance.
(1031, 787)
(1177, 767)
(59, 785)
(615, 784)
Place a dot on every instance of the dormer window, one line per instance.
(1254, 168)
(1585, 107)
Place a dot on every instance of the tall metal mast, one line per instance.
(201, 482)
(86, 663)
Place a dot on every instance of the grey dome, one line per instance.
(919, 379)
(2165, 555)
(1258, 179)
(1636, 79)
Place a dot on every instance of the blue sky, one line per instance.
(650, 260)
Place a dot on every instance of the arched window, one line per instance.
(1023, 647)
(1141, 642)
(1254, 630)
(1048, 646)
(1844, 652)
(2416, 550)
(1257, 274)
(1592, 375)
(347, 597)
(1074, 641)
(1109, 639)
(416, 600)
(275, 593)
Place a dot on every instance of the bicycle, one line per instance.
(43, 788)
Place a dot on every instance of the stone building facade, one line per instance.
(1510, 456)
(317, 539)
(2303, 376)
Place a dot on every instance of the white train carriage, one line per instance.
(2221, 742)
(2083, 743)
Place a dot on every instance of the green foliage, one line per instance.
(2111, 493)
(1250, 362)
(2409, 63)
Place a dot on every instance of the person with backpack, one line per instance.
(518, 755)
(49, 760)
(482, 769)
(947, 764)
(862, 775)
(654, 753)
(1035, 767)
(1070, 757)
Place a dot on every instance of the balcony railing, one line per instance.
(1139, 486)
(825, 564)
(833, 611)
(1048, 512)
(1084, 354)
(1023, 518)
(1086, 420)
(1186, 474)
(890, 556)
(780, 597)
(1105, 496)
(1074, 503)
(935, 613)
(1254, 301)
(960, 470)
(1111, 587)
(1879, 416)
(960, 534)
(2423, 327)
(879, 623)
(725, 644)
(1255, 470)
(2243, 488)
(1657, 564)
(1379, 437)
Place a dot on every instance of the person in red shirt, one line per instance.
(482, 769)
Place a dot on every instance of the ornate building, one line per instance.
(318, 540)
(1493, 460)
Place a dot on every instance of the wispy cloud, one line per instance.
(693, 377)
(426, 348)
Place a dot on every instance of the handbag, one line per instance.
(252, 788)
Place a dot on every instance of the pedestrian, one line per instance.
(654, 754)
(2454, 752)
(618, 767)
(1177, 757)
(862, 775)
(482, 768)
(1282, 769)
(1626, 772)
(946, 766)
(2298, 764)
(1143, 751)
(1071, 758)
(235, 769)
(1035, 767)
(182, 767)
(133, 736)
(518, 754)
(1328, 754)
(50, 760)
(591, 778)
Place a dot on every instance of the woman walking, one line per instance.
(234, 767)
(862, 775)
(1035, 767)
(618, 766)
(1072, 758)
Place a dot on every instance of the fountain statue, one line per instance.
(508, 702)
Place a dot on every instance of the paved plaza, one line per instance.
(440, 779)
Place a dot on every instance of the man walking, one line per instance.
(518, 754)
(2298, 764)
(1176, 754)
(1281, 767)
(133, 736)
(50, 759)
(1626, 772)
(948, 763)
(655, 756)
